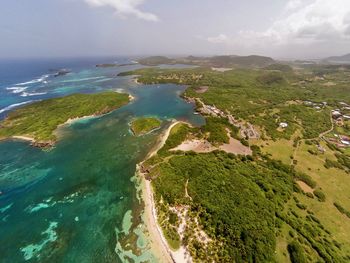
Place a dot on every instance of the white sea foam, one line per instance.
(17, 89)
(82, 79)
(120, 90)
(26, 94)
(41, 79)
(14, 106)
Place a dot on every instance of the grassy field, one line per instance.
(39, 120)
(144, 125)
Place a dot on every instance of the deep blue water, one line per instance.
(72, 203)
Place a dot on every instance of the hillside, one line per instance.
(339, 59)
(252, 61)
(156, 60)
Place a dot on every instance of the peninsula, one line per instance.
(38, 121)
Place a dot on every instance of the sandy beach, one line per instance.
(71, 120)
(157, 240)
(24, 138)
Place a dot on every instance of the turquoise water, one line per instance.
(78, 201)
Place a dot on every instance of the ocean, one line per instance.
(78, 201)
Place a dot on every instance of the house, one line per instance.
(347, 143)
(336, 113)
(344, 137)
(283, 125)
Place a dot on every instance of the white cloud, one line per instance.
(301, 22)
(319, 20)
(124, 8)
(293, 4)
(222, 38)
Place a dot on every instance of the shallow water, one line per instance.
(71, 203)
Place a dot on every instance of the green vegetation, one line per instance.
(40, 119)
(156, 60)
(320, 195)
(296, 253)
(217, 130)
(252, 206)
(342, 209)
(144, 125)
(280, 67)
(241, 203)
(234, 199)
(262, 97)
(216, 61)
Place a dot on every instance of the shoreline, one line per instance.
(157, 240)
(51, 143)
(48, 143)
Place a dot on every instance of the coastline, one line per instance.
(23, 138)
(157, 240)
(50, 143)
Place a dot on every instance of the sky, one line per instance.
(284, 29)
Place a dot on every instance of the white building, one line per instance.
(283, 125)
(345, 142)
(336, 113)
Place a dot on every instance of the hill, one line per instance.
(339, 59)
(156, 60)
(231, 61)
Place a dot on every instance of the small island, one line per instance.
(38, 121)
(144, 125)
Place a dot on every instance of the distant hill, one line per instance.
(239, 61)
(339, 59)
(215, 61)
(156, 60)
(279, 67)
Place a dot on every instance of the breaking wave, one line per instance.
(14, 106)
(17, 89)
(41, 79)
(28, 94)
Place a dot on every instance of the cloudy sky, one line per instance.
(278, 28)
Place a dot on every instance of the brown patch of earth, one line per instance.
(203, 146)
(305, 187)
(202, 89)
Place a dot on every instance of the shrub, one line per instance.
(320, 195)
(310, 195)
(296, 253)
(301, 206)
(342, 209)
